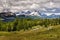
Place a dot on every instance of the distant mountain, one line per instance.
(47, 13)
(36, 14)
(28, 14)
(54, 16)
(51, 13)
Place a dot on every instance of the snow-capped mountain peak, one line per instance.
(34, 14)
(46, 12)
(28, 12)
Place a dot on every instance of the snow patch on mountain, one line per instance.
(48, 14)
(57, 13)
(34, 14)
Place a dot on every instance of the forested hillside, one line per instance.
(26, 24)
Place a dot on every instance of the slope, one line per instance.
(40, 33)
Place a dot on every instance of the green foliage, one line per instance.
(26, 24)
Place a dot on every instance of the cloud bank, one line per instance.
(18, 5)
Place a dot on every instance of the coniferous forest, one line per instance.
(27, 23)
(30, 29)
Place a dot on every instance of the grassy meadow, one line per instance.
(28, 29)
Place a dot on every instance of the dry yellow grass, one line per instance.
(41, 33)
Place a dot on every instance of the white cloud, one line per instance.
(50, 5)
(30, 4)
(34, 6)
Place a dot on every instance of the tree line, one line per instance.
(26, 24)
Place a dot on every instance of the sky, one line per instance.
(17, 5)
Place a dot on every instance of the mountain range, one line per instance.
(46, 13)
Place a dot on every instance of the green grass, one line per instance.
(40, 34)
